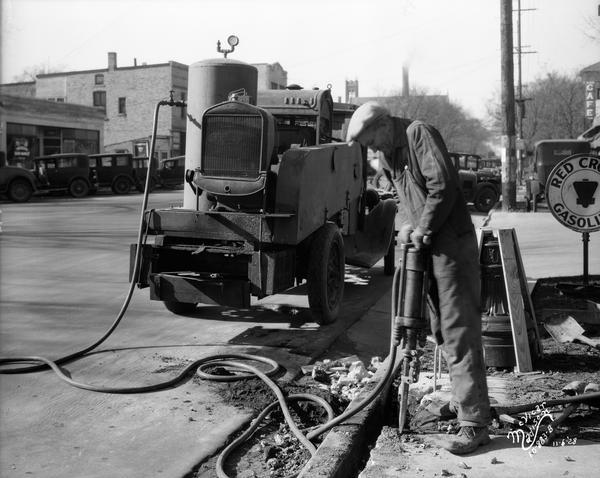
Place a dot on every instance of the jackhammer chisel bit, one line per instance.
(410, 319)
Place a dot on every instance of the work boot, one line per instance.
(467, 440)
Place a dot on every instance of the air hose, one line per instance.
(38, 363)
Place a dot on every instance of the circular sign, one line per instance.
(573, 192)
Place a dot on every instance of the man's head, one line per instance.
(371, 126)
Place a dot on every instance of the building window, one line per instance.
(99, 79)
(122, 106)
(80, 141)
(100, 99)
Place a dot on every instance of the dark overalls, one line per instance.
(430, 198)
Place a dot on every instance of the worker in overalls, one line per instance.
(434, 214)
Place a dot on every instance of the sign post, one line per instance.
(573, 196)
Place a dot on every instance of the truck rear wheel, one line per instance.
(179, 308)
(79, 188)
(325, 275)
(485, 199)
(121, 185)
(20, 190)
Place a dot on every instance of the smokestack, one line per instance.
(405, 86)
(112, 60)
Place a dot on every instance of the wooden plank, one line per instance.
(512, 283)
(482, 233)
(525, 293)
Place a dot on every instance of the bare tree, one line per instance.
(554, 111)
(460, 131)
(591, 29)
(31, 72)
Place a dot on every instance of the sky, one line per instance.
(451, 47)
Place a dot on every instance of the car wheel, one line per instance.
(179, 308)
(121, 185)
(79, 188)
(20, 190)
(325, 275)
(485, 199)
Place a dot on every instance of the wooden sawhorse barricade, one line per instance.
(517, 293)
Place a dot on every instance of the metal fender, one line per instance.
(370, 244)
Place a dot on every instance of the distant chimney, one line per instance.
(135, 62)
(405, 89)
(112, 60)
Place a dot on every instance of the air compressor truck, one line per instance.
(272, 200)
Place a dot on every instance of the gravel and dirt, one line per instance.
(274, 452)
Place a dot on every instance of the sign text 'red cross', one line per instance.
(573, 192)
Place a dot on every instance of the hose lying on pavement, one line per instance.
(38, 363)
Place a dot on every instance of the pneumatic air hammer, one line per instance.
(410, 320)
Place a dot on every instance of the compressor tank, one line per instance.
(211, 82)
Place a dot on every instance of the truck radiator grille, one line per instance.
(232, 146)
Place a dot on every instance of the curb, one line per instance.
(342, 452)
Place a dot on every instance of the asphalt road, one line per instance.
(64, 275)
(64, 268)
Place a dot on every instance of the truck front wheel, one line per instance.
(325, 275)
(485, 199)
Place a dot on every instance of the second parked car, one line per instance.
(120, 171)
(171, 172)
(69, 172)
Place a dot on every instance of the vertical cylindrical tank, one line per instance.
(210, 82)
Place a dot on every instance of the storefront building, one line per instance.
(30, 127)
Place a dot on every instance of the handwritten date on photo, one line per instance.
(530, 438)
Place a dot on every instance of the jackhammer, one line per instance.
(410, 318)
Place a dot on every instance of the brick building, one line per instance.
(127, 96)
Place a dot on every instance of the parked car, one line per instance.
(171, 171)
(19, 184)
(68, 172)
(120, 171)
(481, 186)
(548, 153)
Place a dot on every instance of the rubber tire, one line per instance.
(325, 275)
(20, 190)
(121, 185)
(485, 199)
(179, 308)
(79, 188)
(389, 260)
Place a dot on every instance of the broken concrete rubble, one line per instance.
(344, 377)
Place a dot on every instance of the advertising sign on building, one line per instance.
(590, 100)
(573, 192)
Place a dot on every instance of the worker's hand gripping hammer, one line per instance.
(410, 319)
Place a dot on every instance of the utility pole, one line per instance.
(509, 163)
(520, 144)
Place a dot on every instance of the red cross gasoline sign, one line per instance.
(573, 192)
